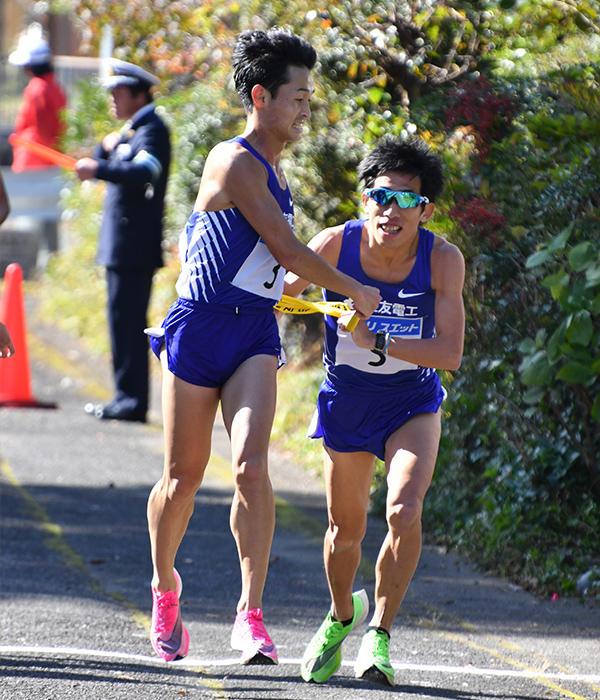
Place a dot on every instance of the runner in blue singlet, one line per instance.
(381, 394)
(219, 341)
(227, 287)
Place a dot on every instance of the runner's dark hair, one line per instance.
(263, 58)
(409, 156)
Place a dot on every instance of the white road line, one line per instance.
(194, 663)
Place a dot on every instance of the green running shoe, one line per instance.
(323, 655)
(373, 660)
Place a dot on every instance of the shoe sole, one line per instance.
(257, 659)
(178, 583)
(362, 594)
(185, 635)
(374, 675)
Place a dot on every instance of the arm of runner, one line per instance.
(446, 349)
(7, 349)
(234, 177)
(327, 244)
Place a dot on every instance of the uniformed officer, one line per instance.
(135, 163)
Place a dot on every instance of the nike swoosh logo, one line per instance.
(173, 644)
(403, 295)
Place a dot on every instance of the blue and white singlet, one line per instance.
(406, 310)
(227, 287)
(223, 259)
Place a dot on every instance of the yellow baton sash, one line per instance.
(291, 305)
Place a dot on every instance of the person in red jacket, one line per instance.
(39, 117)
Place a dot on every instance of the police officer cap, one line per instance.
(124, 73)
(30, 52)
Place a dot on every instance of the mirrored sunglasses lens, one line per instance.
(406, 200)
(380, 196)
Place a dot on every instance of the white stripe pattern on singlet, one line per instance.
(205, 247)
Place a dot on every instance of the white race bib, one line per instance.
(348, 353)
(261, 274)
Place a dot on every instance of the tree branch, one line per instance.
(574, 7)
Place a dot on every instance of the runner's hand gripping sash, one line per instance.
(291, 305)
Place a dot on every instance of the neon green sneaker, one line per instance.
(373, 660)
(323, 655)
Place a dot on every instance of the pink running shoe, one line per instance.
(251, 638)
(170, 639)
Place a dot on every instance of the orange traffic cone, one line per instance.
(15, 383)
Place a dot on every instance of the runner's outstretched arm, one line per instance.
(241, 181)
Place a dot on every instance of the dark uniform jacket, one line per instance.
(136, 171)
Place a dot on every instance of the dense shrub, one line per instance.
(522, 439)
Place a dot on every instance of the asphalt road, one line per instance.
(75, 566)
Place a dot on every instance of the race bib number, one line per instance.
(261, 274)
(348, 353)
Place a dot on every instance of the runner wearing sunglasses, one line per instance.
(381, 395)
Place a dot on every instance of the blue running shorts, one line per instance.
(206, 343)
(357, 421)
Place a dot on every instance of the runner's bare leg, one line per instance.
(347, 482)
(248, 405)
(188, 417)
(411, 453)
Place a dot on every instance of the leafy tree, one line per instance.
(179, 40)
(520, 450)
(540, 24)
(409, 47)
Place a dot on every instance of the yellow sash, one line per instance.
(291, 305)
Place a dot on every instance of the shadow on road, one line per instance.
(102, 531)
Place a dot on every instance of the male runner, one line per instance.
(381, 395)
(221, 341)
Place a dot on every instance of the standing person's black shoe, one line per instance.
(116, 411)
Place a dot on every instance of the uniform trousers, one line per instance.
(128, 299)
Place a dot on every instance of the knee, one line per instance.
(343, 535)
(179, 487)
(250, 473)
(403, 517)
